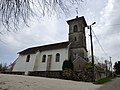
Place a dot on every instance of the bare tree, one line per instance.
(14, 12)
(3, 67)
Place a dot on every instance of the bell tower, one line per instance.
(77, 38)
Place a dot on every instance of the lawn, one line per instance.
(103, 80)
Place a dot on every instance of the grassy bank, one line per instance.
(103, 80)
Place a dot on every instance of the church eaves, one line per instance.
(33, 50)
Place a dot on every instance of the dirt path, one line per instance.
(16, 82)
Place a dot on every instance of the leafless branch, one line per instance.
(15, 12)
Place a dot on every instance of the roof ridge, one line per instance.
(32, 50)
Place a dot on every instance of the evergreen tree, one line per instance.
(117, 67)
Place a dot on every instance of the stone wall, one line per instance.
(16, 73)
(66, 74)
(50, 74)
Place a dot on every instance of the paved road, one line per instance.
(112, 85)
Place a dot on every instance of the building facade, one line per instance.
(51, 57)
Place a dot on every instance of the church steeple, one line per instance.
(77, 37)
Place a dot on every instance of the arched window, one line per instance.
(75, 29)
(44, 58)
(57, 57)
(28, 58)
(75, 39)
(75, 55)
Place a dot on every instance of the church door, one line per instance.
(49, 59)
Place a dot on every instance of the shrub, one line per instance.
(67, 65)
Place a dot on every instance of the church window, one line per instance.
(57, 57)
(75, 55)
(28, 58)
(44, 58)
(75, 39)
(75, 29)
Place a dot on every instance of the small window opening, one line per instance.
(75, 39)
(44, 58)
(75, 28)
(28, 58)
(57, 57)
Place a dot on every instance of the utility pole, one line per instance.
(111, 65)
(92, 54)
(106, 68)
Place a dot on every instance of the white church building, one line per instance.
(51, 57)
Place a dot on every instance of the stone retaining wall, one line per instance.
(51, 74)
(16, 73)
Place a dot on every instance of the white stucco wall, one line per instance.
(35, 63)
(22, 65)
(55, 66)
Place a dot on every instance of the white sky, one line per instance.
(106, 14)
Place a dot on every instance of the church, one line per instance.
(51, 57)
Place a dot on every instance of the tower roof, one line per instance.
(78, 18)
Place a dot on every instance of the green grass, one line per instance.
(103, 80)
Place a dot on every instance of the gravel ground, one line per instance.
(17, 82)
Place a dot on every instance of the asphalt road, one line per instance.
(112, 85)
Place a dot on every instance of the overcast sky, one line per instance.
(106, 14)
